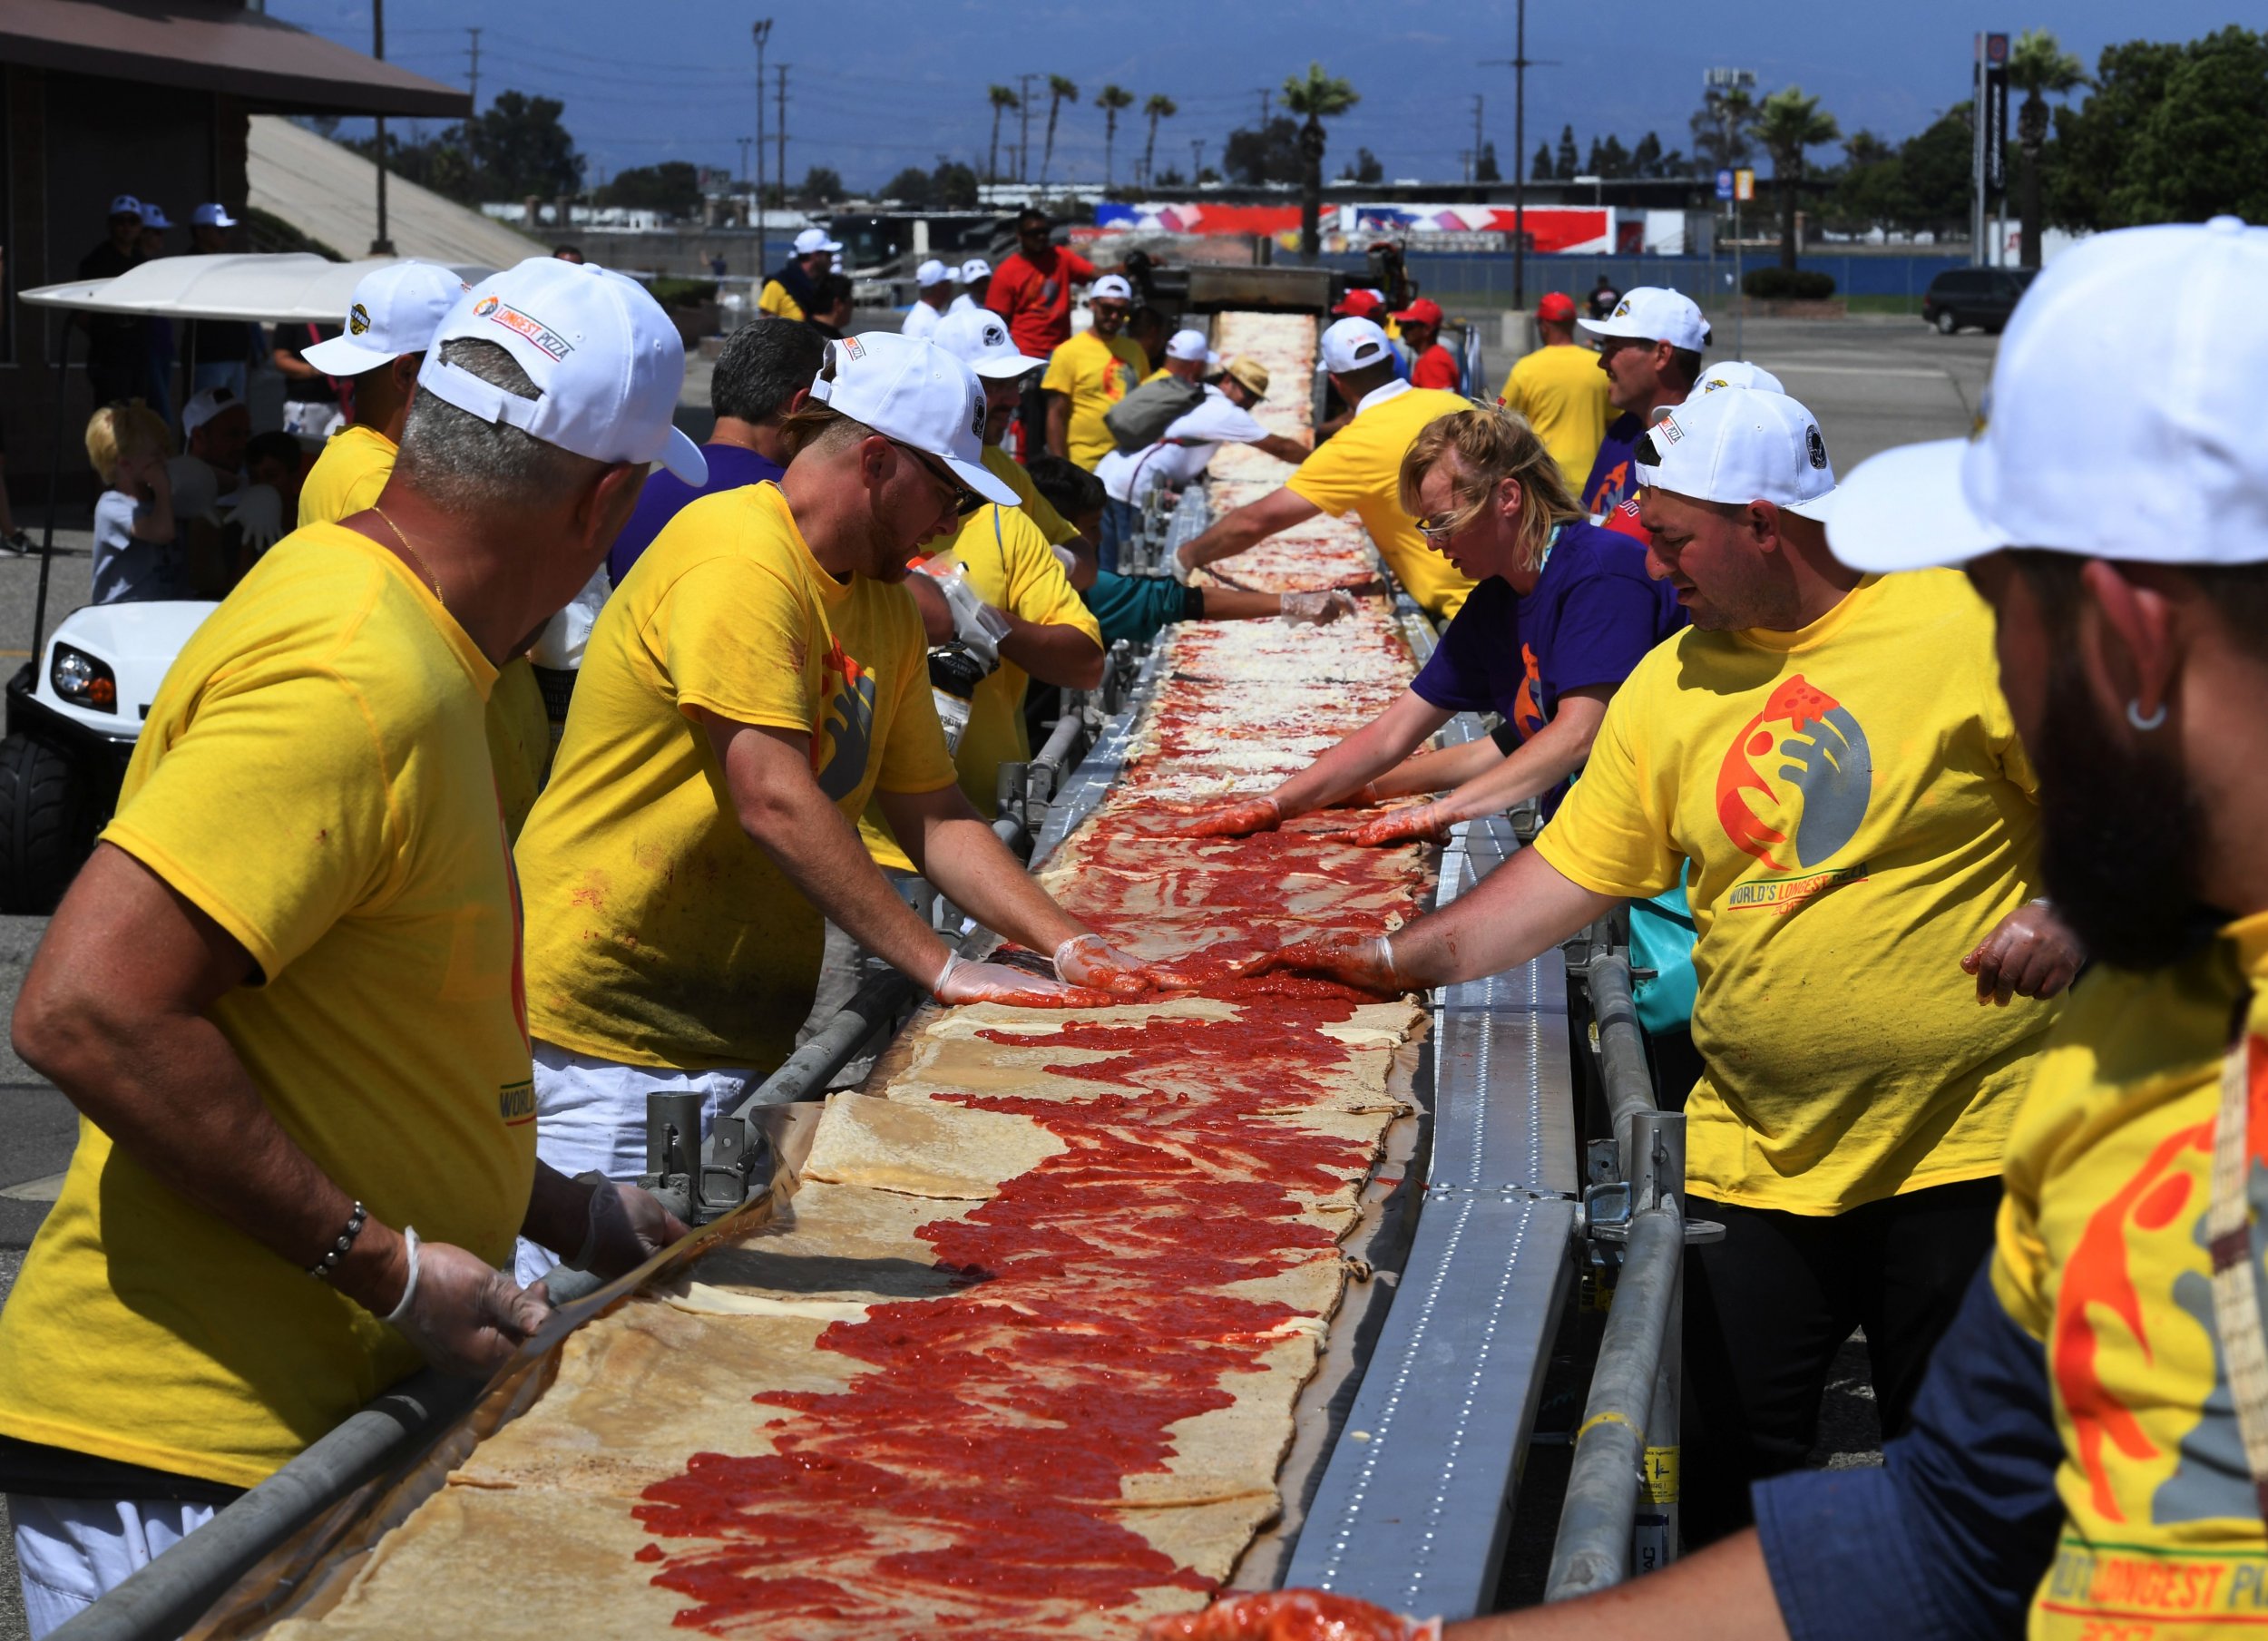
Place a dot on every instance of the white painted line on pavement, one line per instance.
(1856, 370)
(35, 1190)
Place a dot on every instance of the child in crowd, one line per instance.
(135, 557)
(1139, 607)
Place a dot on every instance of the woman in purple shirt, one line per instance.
(1562, 613)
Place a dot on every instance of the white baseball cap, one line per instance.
(975, 269)
(932, 272)
(215, 215)
(395, 310)
(2122, 421)
(1192, 345)
(814, 240)
(917, 392)
(1736, 373)
(1111, 287)
(1652, 313)
(606, 361)
(1354, 344)
(979, 340)
(1740, 445)
(153, 216)
(202, 407)
(124, 205)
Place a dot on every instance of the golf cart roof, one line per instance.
(284, 287)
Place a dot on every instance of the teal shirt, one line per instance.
(1136, 607)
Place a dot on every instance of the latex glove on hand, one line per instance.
(1359, 960)
(1183, 570)
(465, 1316)
(963, 982)
(1240, 819)
(975, 622)
(1418, 822)
(627, 1226)
(2032, 954)
(1089, 960)
(1292, 1614)
(1317, 608)
(258, 516)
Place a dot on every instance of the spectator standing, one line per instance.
(150, 245)
(118, 345)
(1562, 392)
(391, 321)
(792, 293)
(221, 970)
(1430, 363)
(135, 556)
(1146, 328)
(933, 283)
(1358, 471)
(574, 253)
(1089, 374)
(313, 408)
(831, 317)
(221, 350)
(1649, 348)
(976, 279)
(1603, 298)
(1031, 289)
(762, 377)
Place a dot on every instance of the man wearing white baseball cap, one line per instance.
(1359, 468)
(389, 323)
(1832, 754)
(980, 338)
(976, 276)
(933, 283)
(306, 891)
(793, 293)
(1649, 345)
(760, 680)
(1091, 372)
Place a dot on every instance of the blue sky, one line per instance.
(878, 84)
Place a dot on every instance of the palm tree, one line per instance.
(1786, 124)
(1720, 127)
(1159, 107)
(1109, 100)
(2040, 68)
(1004, 98)
(1059, 91)
(1318, 97)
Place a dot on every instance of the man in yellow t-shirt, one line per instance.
(980, 338)
(1359, 468)
(1832, 756)
(1091, 373)
(792, 293)
(389, 324)
(749, 691)
(285, 991)
(1561, 391)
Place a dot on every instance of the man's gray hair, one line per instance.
(457, 460)
(764, 365)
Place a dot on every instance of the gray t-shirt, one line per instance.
(127, 569)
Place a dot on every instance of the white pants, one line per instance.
(591, 1113)
(69, 1551)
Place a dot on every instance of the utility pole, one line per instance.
(780, 136)
(1464, 163)
(1196, 159)
(744, 159)
(380, 246)
(1023, 117)
(1519, 62)
(763, 32)
(1476, 136)
(1266, 95)
(477, 71)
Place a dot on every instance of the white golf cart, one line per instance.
(75, 709)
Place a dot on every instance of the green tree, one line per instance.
(2040, 69)
(1541, 170)
(1566, 163)
(1720, 127)
(911, 188)
(1109, 100)
(1003, 99)
(1316, 97)
(518, 147)
(1869, 188)
(1059, 91)
(1270, 154)
(1485, 168)
(821, 186)
(1936, 172)
(1363, 167)
(1787, 123)
(953, 186)
(1614, 160)
(1159, 107)
(1645, 159)
(672, 187)
(2171, 133)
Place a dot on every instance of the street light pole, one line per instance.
(381, 246)
(763, 31)
(1519, 64)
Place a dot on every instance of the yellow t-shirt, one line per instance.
(1563, 394)
(659, 933)
(1360, 467)
(1859, 815)
(1011, 472)
(2103, 1258)
(776, 301)
(312, 776)
(1094, 374)
(1011, 567)
(348, 476)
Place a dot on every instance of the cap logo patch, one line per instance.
(1669, 430)
(976, 413)
(525, 325)
(994, 335)
(357, 320)
(1622, 310)
(1815, 444)
(853, 348)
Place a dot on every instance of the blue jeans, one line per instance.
(1119, 522)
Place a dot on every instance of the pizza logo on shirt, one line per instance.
(843, 738)
(1819, 794)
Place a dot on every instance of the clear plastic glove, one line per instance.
(975, 622)
(1089, 960)
(1364, 960)
(627, 1226)
(1292, 1614)
(1317, 608)
(1419, 822)
(464, 1315)
(258, 516)
(1183, 570)
(963, 982)
(2031, 954)
(1240, 819)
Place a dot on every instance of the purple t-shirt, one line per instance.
(665, 494)
(1595, 612)
(1614, 476)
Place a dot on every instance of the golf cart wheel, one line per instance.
(1947, 323)
(47, 823)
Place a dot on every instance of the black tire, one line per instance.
(1947, 323)
(49, 815)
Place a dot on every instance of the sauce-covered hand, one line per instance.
(1089, 960)
(1292, 1614)
(1240, 819)
(1317, 608)
(1360, 960)
(2032, 954)
(1422, 821)
(963, 982)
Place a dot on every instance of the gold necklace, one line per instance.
(416, 563)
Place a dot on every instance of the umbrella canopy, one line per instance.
(280, 287)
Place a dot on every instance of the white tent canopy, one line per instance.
(293, 287)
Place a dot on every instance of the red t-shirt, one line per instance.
(1436, 367)
(1624, 518)
(1037, 301)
